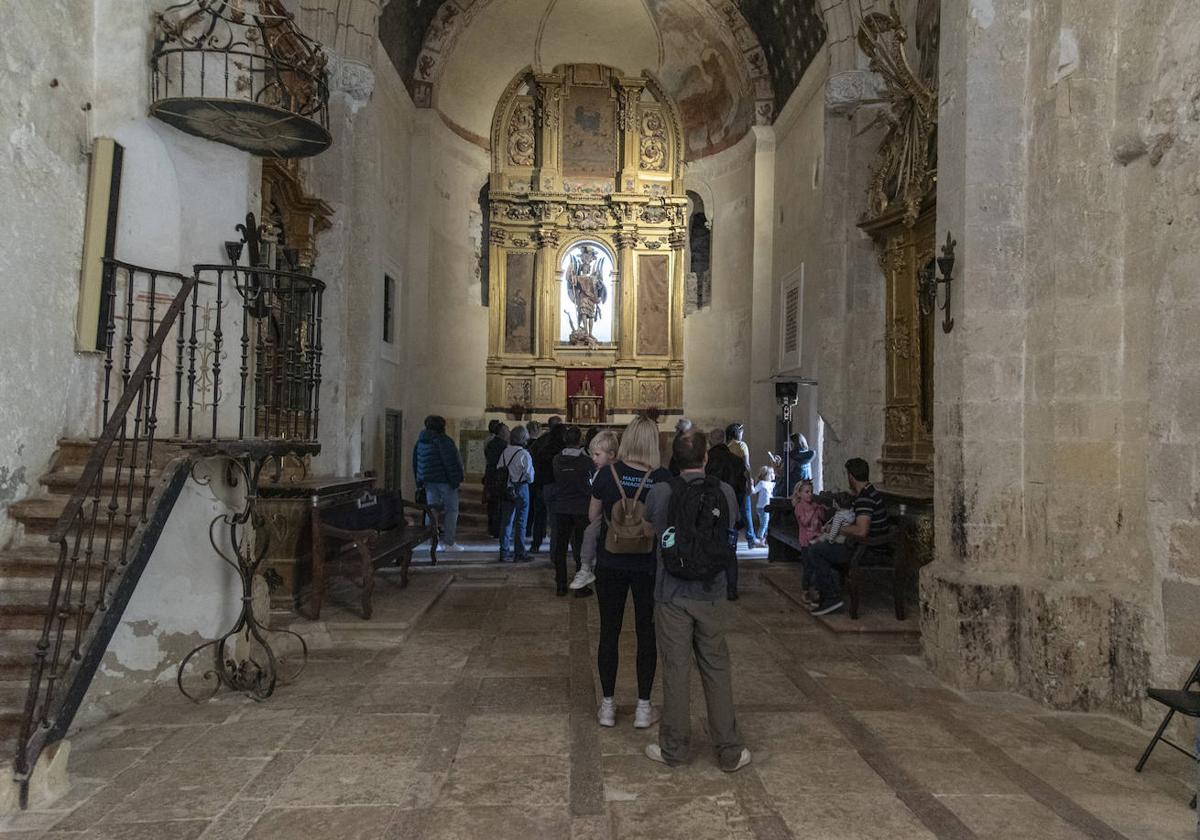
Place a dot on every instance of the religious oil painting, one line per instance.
(518, 304)
(589, 133)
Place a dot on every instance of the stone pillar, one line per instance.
(546, 271)
(627, 300)
(760, 432)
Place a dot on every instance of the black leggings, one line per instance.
(612, 585)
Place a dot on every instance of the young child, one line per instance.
(843, 515)
(604, 451)
(764, 486)
(843, 504)
(809, 514)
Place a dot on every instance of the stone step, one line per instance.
(40, 515)
(76, 451)
(64, 479)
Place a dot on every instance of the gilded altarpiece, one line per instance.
(904, 251)
(588, 225)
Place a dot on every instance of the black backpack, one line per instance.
(695, 545)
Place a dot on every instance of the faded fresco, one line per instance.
(653, 304)
(589, 146)
(709, 84)
(518, 303)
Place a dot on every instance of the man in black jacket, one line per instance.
(493, 482)
(573, 471)
(543, 450)
(732, 470)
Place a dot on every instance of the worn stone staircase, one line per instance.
(27, 567)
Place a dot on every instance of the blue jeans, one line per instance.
(823, 563)
(445, 497)
(513, 516)
(748, 517)
(764, 519)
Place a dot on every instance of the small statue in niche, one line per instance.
(586, 289)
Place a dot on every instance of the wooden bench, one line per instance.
(866, 556)
(783, 537)
(355, 537)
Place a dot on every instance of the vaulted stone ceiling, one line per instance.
(727, 64)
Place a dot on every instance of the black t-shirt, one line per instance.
(605, 489)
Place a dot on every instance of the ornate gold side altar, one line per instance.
(587, 229)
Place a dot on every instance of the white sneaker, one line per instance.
(654, 753)
(451, 547)
(583, 578)
(645, 716)
(742, 761)
(606, 715)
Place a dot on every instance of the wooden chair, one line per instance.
(1185, 702)
(868, 556)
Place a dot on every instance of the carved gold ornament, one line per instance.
(905, 167)
(654, 142)
(520, 135)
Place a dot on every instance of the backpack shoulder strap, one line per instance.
(617, 480)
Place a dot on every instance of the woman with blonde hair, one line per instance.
(625, 564)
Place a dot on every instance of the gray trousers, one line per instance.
(687, 628)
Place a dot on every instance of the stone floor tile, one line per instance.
(864, 694)
(356, 822)
(518, 664)
(529, 694)
(414, 698)
(195, 789)
(267, 782)
(235, 821)
(852, 816)
(1003, 817)
(628, 777)
(845, 668)
(695, 817)
(102, 764)
(521, 781)
(907, 730)
(767, 689)
(356, 780)
(1143, 817)
(358, 734)
(1077, 771)
(787, 774)
(502, 734)
(779, 732)
(942, 771)
(154, 830)
(591, 828)
(498, 823)
(239, 739)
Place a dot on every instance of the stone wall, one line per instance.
(1066, 474)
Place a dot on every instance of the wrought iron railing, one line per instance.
(166, 363)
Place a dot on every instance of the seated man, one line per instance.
(827, 559)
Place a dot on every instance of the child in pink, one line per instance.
(810, 515)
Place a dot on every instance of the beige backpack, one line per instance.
(628, 530)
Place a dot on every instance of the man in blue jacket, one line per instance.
(438, 469)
